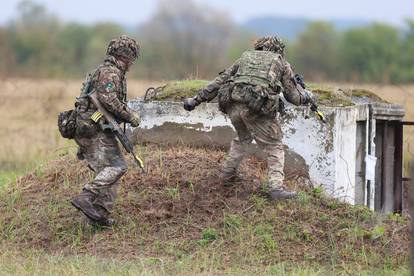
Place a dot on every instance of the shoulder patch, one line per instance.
(109, 86)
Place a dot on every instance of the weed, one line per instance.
(398, 218)
(258, 201)
(268, 242)
(263, 229)
(210, 234)
(190, 185)
(307, 235)
(333, 204)
(324, 218)
(317, 192)
(376, 233)
(303, 198)
(174, 193)
(232, 222)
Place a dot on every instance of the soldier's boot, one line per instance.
(84, 203)
(104, 204)
(275, 161)
(237, 152)
(230, 177)
(281, 194)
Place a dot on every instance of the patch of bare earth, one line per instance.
(180, 209)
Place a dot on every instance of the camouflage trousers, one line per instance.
(104, 157)
(268, 136)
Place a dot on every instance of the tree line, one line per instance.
(188, 41)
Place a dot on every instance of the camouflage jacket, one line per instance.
(263, 68)
(109, 81)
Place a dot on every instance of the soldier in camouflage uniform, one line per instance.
(248, 93)
(99, 147)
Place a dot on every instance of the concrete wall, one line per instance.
(345, 150)
(328, 149)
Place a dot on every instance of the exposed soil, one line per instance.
(167, 211)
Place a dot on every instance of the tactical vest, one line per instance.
(85, 126)
(90, 82)
(259, 68)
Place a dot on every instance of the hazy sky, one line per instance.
(137, 11)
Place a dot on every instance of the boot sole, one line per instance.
(99, 224)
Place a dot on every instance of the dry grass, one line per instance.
(234, 229)
(180, 213)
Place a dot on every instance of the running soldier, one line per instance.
(97, 144)
(248, 92)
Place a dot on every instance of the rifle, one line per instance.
(114, 127)
(299, 79)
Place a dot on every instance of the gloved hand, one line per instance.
(190, 104)
(135, 119)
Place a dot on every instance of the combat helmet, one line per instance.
(124, 47)
(270, 43)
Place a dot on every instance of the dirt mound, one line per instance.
(179, 210)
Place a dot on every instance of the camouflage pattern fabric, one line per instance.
(272, 72)
(264, 73)
(270, 43)
(268, 136)
(104, 157)
(100, 148)
(124, 47)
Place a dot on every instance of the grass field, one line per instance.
(28, 114)
(179, 219)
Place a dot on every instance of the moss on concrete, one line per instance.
(337, 96)
(179, 90)
(364, 93)
(327, 95)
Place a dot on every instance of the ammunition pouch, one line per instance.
(225, 96)
(67, 124)
(255, 100)
(271, 106)
(85, 126)
(260, 101)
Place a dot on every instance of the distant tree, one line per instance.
(183, 39)
(370, 53)
(405, 70)
(315, 52)
(8, 62)
(73, 41)
(33, 38)
(101, 34)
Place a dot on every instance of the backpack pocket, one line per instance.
(67, 124)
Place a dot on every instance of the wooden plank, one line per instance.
(398, 167)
